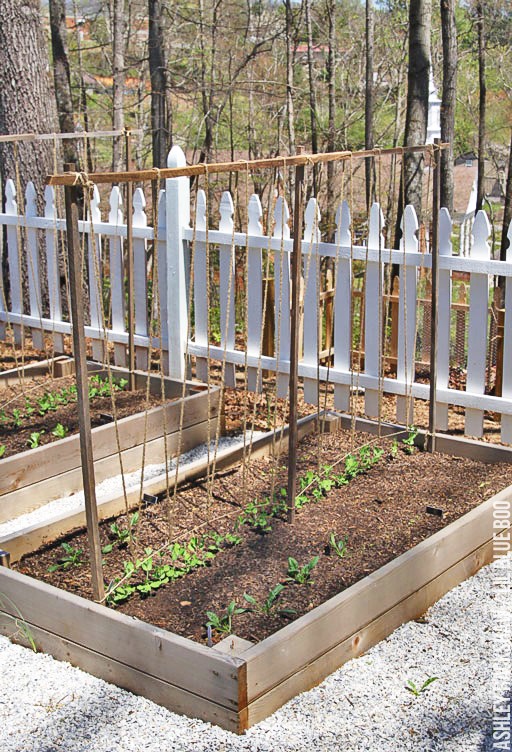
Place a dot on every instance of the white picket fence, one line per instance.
(182, 245)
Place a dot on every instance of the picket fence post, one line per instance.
(13, 259)
(477, 331)
(177, 199)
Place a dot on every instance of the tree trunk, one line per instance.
(449, 34)
(118, 81)
(482, 96)
(331, 128)
(289, 77)
(507, 211)
(368, 107)
(313, 113)
(27, 102)
(161, 116)
(416, 118)
(62, 78)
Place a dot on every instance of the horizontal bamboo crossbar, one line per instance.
(136, 176)
(16, 137)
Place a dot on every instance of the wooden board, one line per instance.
(14, 376)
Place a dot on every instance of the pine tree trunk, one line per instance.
(368, 106)
(27, 102)
(507, 211)
(482, 96)
(313, 114)
(118, 81)
(62, 78)
(449, 34)
(331, 129)
(160, 109)
(417, 107)
(289, 77)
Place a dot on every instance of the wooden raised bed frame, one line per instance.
(33, 478)
(236, 684)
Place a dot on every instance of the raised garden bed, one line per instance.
(237, 683)
(37, 476)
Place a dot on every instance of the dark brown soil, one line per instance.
(16, 438)
(382, 513)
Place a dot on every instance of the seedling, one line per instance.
(256, 516)
(17, 418)
(35, 439)
(2, 450)
(122, 535)
(301, 575)
(416, 691)
(222, 623)
(338, 546)
(60, 431)
(72, 558)
(409, 441)
(394, 448)
(269, 605)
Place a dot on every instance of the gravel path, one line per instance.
(47, 706)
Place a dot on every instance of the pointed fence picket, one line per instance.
(204, 256)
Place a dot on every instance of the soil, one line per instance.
(382, 513)
(16, 438)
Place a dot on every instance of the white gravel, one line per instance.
(114, 486)
(47, 706)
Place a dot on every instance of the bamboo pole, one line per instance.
(295, 160)
(294, 338)
(84, 418)
(76, 135)
(434, 249)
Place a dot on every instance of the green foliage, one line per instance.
(339, 546)
(2, 450)
(416, 691)
(60, 431)
(35, 439)
(270, 604)
(223, 623)
(301, 574)
(72, 558)
(409, 441)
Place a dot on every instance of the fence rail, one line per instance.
(366, 338)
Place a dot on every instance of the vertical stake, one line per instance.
(129, 261)
(84, 419)
(434, 249)
(296, 263)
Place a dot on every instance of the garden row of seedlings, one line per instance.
(50, 402)
(144, 575)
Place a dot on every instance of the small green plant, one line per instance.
(339, 546)
(301, 575)
(2, 450)
(270, 604)
(17, 418)
(60, 431)
(223, 623)
(121, 535)
(72, 558)
(409, 441)
(256, 516)
(29, 408)
(35, 439)
(394, 448)
(416, 691)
